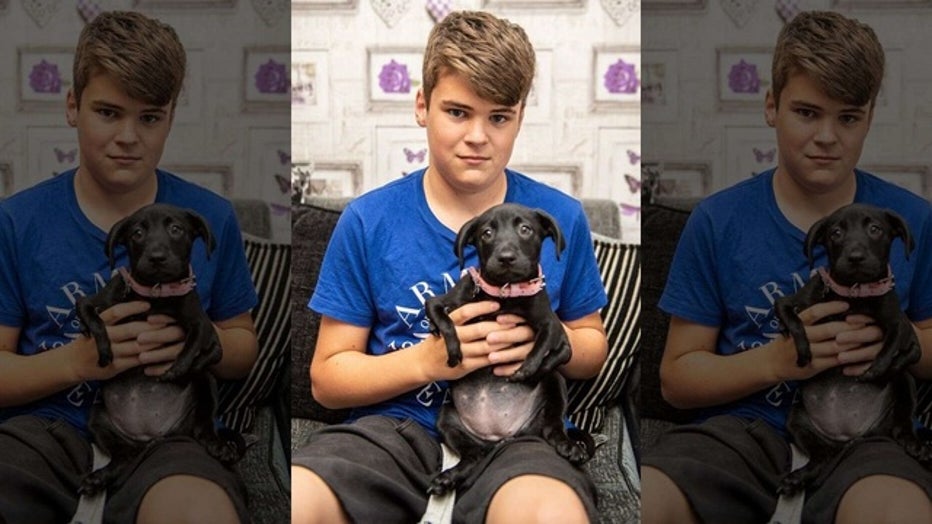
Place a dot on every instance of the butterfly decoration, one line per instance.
(283, 157)
(284, 184)
(629, 210)
(764, 156)
(633, 157)
(68, 156)
(279, 210)
(418, 156)
(634, 184)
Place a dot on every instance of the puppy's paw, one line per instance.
(791, 484)
(93, 483)
(572, 451)
(442, 484)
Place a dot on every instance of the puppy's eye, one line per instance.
(835, 234)
(138, 233)
(874, 230)
(487, 234)
(175, 230)
(525, 229)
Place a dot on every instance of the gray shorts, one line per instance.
(729, 469)
(380, 468)
(42, 462)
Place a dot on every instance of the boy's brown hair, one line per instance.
(142, 54)
(494, 55)
(842, 55)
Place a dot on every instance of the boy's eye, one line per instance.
(849, 119)
(456, 113)
(150, 119)
(499, 119)
(106, 113)
(805, 113)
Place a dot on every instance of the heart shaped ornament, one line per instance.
(271, 11)
(740, 11)
(391, 11)
(439, 9)
(41, 11)
(621, 10)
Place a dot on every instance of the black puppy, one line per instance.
(135, 410)
(484, 409)
(832, 409)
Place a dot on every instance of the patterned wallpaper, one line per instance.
(356, 69)
(707, 69)
(232, 126)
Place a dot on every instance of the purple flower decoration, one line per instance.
(394, 78)
(272, 77)
(44, 78)
(620, 77)
(743, 78)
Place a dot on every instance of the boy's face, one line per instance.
(819, 138)
(121, 139)
(470, 139)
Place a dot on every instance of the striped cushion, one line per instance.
(269, 265)
(924, 403)
(619, 266)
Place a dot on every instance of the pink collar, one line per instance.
(520, 289)
(160, 290)
(870, 289)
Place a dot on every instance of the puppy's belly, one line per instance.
(843, 408)
(143, 408)
(492, 408)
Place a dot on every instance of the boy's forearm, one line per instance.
(26, 378)
(590, 349)
(923, 368)
(240, 349)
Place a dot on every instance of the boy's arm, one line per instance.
(590, 347)
(240, 346)
(923, 368)
(692, 375)
(26, 378)
(343, 375)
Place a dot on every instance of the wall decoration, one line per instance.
(620, 11)
(399, 150)
(619, 170)
(215, 177)
(910, 176)
(267, 78)
(324, 5)
(743, 77)
(565, 177)
(740, 11)
(748, 150)
(310, 85)
(659, 86)
(271, 11)
(616, 78)
(540, 98)
(391, 11)
(6, 179)
(45, 76)
(183, 4)
(41, 11)
(672, 5)
(682, 180)
(51, 151)
(394, 77)
(270, 176)
(327, 179)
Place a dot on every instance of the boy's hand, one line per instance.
(160, 346)
(510, 345)
(123, 342)
(853, 340)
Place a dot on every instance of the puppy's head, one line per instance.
(857, 239)
(508, 238)
(159, 238)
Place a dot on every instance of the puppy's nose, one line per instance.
(507, 256)
(856, 256)
(158, 257)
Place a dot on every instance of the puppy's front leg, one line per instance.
(437, 310)
(88, 309)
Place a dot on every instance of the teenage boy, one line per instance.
(128, 72)
(393, 248)
(724, 351)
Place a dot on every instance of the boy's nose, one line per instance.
(127, 133)
(476, 132)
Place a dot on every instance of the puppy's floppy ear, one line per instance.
(900, 228)
(551, 229)
(816, 235)
(201, 229)
(117, 235)
(465, 236)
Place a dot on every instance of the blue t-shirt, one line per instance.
(389, 253)
(738, 253)
(50, 254)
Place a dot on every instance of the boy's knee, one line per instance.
(536, 499)
(186, 499)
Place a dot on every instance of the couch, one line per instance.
(600, 405)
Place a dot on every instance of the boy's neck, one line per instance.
(454, 208)
(803, 207)
(103, 207)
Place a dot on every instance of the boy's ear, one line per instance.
(770, 109)
(71, 108)
(420, 108)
